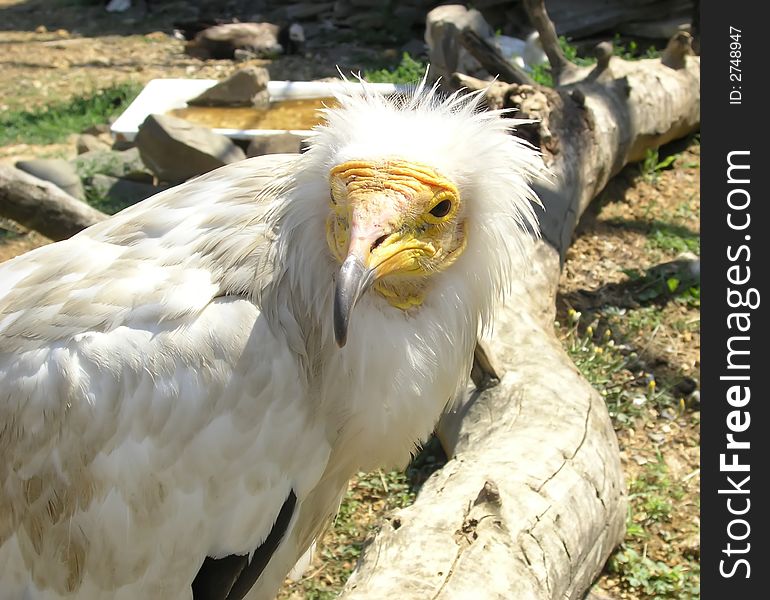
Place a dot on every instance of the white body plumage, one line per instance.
(169, 376)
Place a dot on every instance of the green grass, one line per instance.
(647, 578)
(621, 345)
(108, 164)
(369, 497)
(653, 164)
(603, 354)
(657, 287)
(353, 525)
(652, 496)
(663, 238)
(611, 369)
(652, 493)
(56, 121)
(632, 50)
(542, 73)
(409, 70)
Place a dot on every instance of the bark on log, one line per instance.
(42, 206)
(548, 38)
(533, 501)
(491, 58)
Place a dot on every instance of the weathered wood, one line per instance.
(42, 206)
(491, 58)
(532, 502)
(548, 39)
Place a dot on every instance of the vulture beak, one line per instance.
(371, 257)
(353, 279)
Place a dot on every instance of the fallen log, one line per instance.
(532, 502)
(42, 206)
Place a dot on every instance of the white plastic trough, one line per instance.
(160, 96)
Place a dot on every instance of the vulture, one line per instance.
(187, 387)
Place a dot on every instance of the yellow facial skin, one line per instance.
(401, 219)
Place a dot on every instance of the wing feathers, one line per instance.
(231, 577)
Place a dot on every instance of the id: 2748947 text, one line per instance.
(736, 75)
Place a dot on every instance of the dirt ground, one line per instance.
(54, 53)
(660, 446)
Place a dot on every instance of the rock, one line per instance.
(88, 143)
(280, 143)
(372, 19)
(240, 55)
(121, 191)
(221, 41)
(691, 262)
(292, 39)
(533, 51)
(691, 547)
(685, 387)
(596, 593)
(246, 87)
(655, 437)
(662, 29)
(407, 14)
(118, 6)
(121, 144)
(126, 164)
(308, 10)
(175, 149)
(56, 170)
(97, 129)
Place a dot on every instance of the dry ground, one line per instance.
(642, 219)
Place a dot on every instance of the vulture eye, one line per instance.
(441, 209)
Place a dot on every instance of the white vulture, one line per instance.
(187, 387)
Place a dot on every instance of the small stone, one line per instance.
(246, 87)
(668, 414)
(87, 143)
(691, 547)
(56, 170)
(176, 150)
(596, 593)
(241, 55)
(97, 129)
